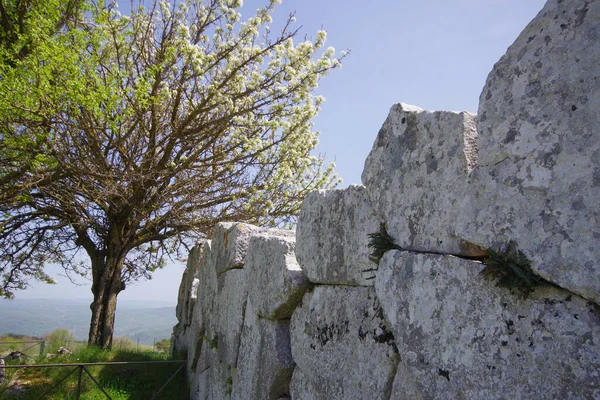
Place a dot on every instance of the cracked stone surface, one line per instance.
(188, 288)
(265, 363)
(276, 282)
(212, 384)
(341, 343)
(231, 300)
(460, 336)
(538, 180)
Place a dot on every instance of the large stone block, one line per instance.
(231, 300)
(208, 355)
(302, 389)
(230, 243)
(203, 321)
(342, 344)
(210, 378)
(213, 384)
(276, 282)
(331, 237)
(417, 175)
(186, 297)
(186, 300)
(460, 336)
(265, 363)
(538, 180)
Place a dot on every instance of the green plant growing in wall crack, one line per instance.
(511, 269)
(229, 383)
(214, 342)
(380, 242)
(508, 266)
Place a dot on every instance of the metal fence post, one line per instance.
(42, 348)
(1, 370)
(79, 381)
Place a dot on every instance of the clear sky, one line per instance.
(435, 54)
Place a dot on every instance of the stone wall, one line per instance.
(270, 314)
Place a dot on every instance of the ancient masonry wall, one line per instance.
(270, 314)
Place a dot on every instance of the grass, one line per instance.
(511, 269)
(12, 342)
(381, 242)
(129, 382)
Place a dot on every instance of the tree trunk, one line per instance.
(106, 287)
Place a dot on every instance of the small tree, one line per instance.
(124, 137)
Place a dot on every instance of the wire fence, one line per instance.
(81, 368)
(18, 347)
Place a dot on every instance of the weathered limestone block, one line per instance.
(208, 355)
(302, 389)
(331, 237)
(417, 175)
(179, 341)
(208, 377)
(460, 336)
(203, 320)
(276, 282)
(213, 384)
(538, 181)
(196, 381)
(230, 243)
(341, 343)
(265, 363)
(211, 378)
(231, 300)
(186, 300)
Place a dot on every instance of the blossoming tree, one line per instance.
(126, 136)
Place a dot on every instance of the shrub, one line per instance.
(59, 338)
(163, 345)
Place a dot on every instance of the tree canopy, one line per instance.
(125, 136)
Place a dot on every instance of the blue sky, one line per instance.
(433, 54)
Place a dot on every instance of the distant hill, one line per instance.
(141, 320)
